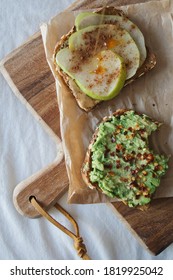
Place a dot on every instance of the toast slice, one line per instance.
(85, 102)
(118, 161)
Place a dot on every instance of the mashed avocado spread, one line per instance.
(122, 164)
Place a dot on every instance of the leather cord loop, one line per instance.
(78, 241)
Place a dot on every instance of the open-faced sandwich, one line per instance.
(103, 52)
(120, 163)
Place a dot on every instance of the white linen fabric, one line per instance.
(26, 148)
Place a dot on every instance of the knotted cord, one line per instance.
(78, 241)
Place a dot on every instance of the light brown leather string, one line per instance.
(78, 241)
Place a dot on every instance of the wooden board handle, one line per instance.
(48, 185)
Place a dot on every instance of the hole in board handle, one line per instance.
(30, 198)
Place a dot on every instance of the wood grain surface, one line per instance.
(33, 83)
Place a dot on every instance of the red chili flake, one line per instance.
(122, 179)
(119, 126)
(128, 157)
(119, 147)
(127, 168)
(111, 173)
(112, 154)
(135, 171)
(144, 189)
(106, 152)
(134, 185)
(150, 157)
(109, 166)
(145, 155)
(142, 131)
(118, 165)
(158, 167)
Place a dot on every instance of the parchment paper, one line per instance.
(151, 94)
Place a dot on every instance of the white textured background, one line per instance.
(25, 148)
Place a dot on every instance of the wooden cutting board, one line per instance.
(30, 78)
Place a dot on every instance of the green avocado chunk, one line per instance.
(122, 164)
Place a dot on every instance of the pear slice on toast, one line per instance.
(85, 19)
(101, 76)
(92, 39)
(84, 101)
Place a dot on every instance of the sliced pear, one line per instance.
(100, 77)
(93, 39)
(86, 19)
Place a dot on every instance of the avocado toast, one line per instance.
(79, 59)
(120, 163)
